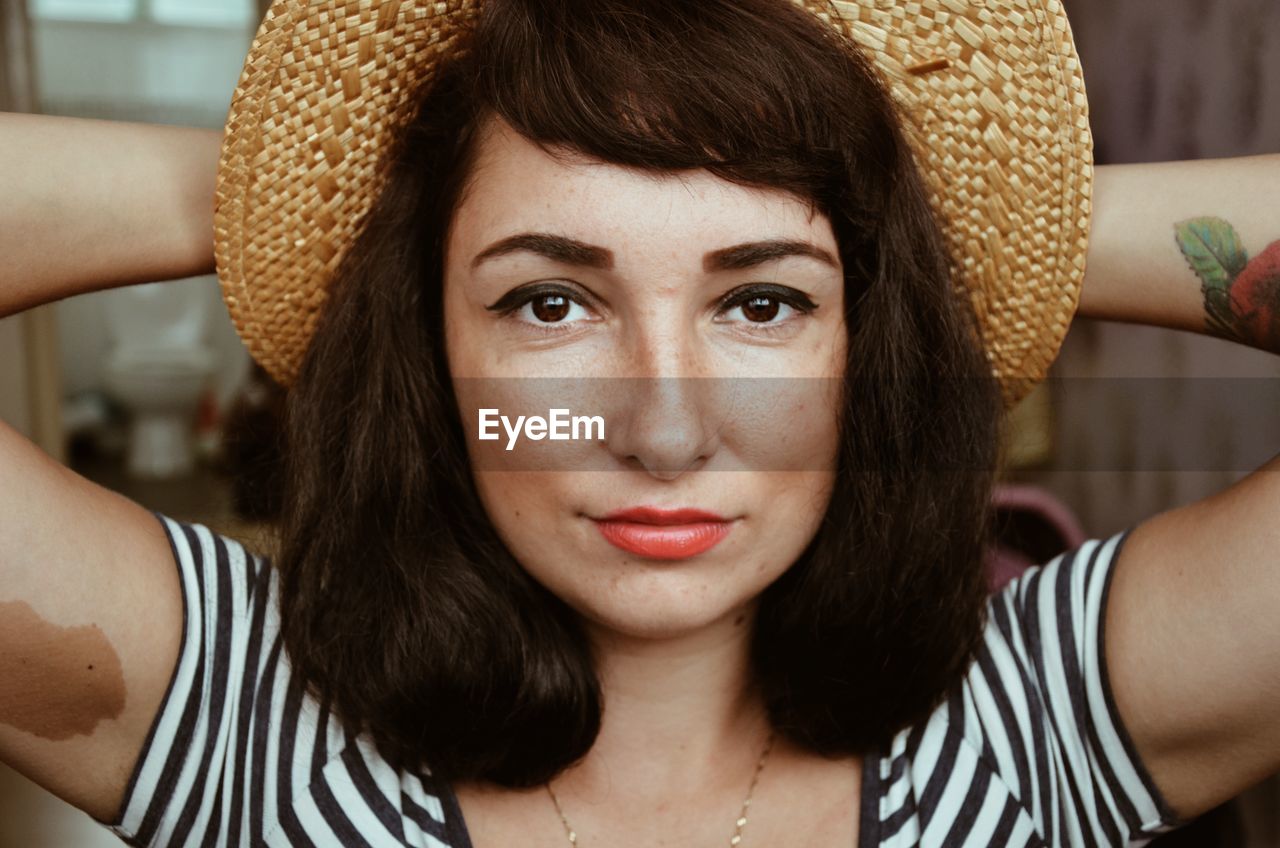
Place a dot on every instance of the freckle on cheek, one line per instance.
(55, 682)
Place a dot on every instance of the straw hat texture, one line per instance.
(991, 92)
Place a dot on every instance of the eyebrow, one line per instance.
(571, 251)
(754, 253)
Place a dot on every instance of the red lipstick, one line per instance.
(664, 533)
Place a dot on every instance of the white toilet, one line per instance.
(158, 367)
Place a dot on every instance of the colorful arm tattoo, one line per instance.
(1241, 295)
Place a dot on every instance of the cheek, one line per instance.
(527, 509)
(793, 505)
(785, 424)
(519, 498)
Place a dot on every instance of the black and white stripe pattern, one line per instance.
(1028, 752)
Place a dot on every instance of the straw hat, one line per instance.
(991, 91)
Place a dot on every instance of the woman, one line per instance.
(761, 579)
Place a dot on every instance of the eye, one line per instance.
(763, 308)
(542, 306)
(551, 309)
(766, 304)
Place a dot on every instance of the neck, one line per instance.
(681, 716)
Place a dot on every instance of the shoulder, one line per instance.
(240, 751)
(1030, 743)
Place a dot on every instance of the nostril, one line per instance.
(663, 426)
(666, 472)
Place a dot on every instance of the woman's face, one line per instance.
(700, 323)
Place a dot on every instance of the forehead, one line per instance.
(517, 186)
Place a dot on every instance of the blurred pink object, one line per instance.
(1032, 527)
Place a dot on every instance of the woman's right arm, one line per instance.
(88, 204)
(90, 603)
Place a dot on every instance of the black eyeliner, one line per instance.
(518, 297)
(792, 297)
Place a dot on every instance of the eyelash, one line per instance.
(517, 299)
(782, 294)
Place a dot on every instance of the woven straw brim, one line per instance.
(991, 91)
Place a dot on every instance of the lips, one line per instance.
(657, 533)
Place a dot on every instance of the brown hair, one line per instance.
(401, 607)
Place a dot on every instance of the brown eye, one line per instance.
(544, 307)
(760, 308)
(550, 308)
(766, 306)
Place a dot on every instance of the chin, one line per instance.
(662, 605)
(657, 624)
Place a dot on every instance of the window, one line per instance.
(85, 10)
(237, 13)
(203, 12)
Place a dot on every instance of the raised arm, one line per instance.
(90, 604)
(1193, 619)
(91, 204)
(1167, 237)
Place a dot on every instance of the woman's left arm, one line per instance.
(1193, 616)
(1188, 245)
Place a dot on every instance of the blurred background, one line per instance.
(149, 391)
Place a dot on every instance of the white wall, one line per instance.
(140, 72)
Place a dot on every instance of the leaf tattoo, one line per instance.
(1241, 295)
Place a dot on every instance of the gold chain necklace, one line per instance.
(741, 822)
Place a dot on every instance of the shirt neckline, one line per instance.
(868, 810)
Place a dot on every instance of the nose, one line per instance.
(664, 421)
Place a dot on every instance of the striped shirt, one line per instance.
(1030, 751)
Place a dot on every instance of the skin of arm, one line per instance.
(92, 204)
(90, 626)
(1193, 618)
(1146, 219)
(90, 604)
